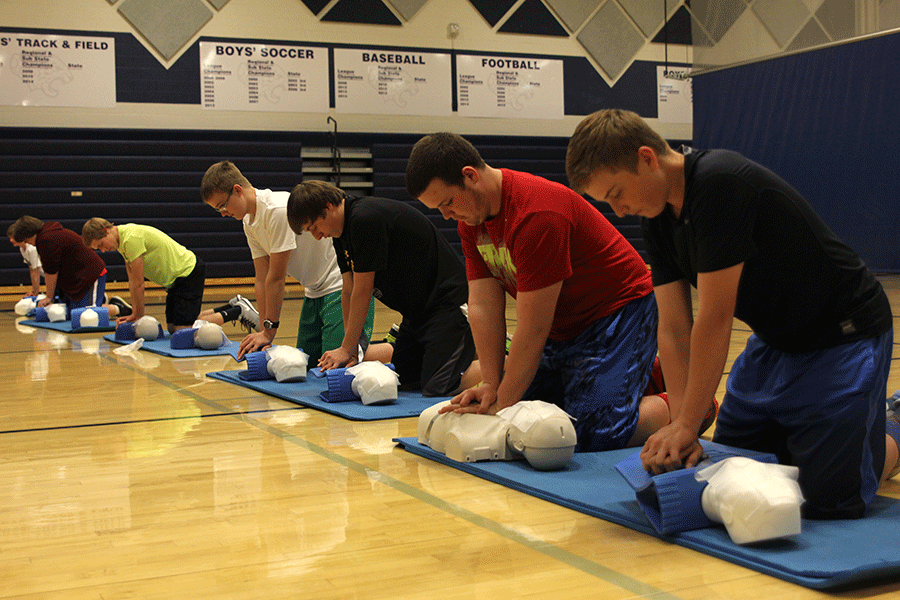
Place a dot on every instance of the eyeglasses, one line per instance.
(224, 205)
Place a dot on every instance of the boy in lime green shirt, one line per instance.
(149, 253)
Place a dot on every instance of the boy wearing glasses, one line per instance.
(150, 253)
(278, 252)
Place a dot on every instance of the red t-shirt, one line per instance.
(546, 233)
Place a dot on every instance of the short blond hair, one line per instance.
(94, 229)
(221, 177)
(608, 140)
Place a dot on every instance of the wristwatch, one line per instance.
(267, 324)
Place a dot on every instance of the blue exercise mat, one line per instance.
(826, 554)
(163, 346)
(65, 326)
(306, 393)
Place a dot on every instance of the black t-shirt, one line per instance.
(417, 273)
(801, 288)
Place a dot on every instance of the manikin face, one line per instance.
(331, 225)
(17, 244)
(107, 243)
(232, 204)
(464, 203)
(644, 193)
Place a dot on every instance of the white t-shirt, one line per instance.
(312, 263)
(31, 257)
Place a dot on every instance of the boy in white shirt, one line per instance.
(278, 252)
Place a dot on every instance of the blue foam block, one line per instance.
(827, 554)
(183, 339)
(163, 347)
(340, 386)
(307, 393)
(65, 326)
(257, 366)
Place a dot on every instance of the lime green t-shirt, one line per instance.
(165, 260)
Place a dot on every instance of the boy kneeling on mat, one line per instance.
(810, 385)
(150, 253)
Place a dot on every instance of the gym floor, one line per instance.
(140, 477)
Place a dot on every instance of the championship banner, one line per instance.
(57, 70)
(511, 88)
(390, 82)
(675, 101)
(264, 77)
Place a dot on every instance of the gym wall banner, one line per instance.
(391, 82)
(507, 87)
(57, 70)
(254, 77)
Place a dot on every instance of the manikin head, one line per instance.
(755, 501)
(146, 327)
(286, 363)
(89, 318)
(374, 382)
(209, 336)
(56, 312)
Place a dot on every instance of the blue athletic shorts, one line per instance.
(95, 296)
(821, 411)
(599, 377)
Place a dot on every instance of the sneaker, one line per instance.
(119, 302)
(249, 315)
(391, 336)
(892, 415)
(893, 402)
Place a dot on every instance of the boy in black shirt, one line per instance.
(811, 382)
(391, 250)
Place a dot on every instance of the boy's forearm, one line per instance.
(35, 281)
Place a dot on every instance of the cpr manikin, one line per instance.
(374, 382)
(747, 491)
(755, 501)
(540, 432)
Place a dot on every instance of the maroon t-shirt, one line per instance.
(64, 254)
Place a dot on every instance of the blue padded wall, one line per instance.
(826, 121)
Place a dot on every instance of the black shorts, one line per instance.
(432, 355)
(185, 297)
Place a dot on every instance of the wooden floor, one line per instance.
(142, 478)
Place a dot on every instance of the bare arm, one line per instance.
(135, 270)
(361, 287)
(35, 281)
(534, 313)
(676, 444)
(50, 282)
(271, 272)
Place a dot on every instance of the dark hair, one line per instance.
(24, 228)
(440, 155)
(309, 201)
